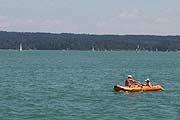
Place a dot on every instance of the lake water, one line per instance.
(78, 85)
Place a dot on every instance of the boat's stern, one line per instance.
(117, 88)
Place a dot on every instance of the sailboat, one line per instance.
(93, 49)
(20, 47)
(156, 49)
(137, 48)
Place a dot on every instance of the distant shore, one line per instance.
(87, 42)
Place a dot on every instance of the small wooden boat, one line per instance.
(137, 88)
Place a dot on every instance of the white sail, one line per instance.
(93, 49)
(137, 48)
(20, 47)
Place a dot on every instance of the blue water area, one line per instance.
(78, 85)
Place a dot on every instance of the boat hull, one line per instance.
(138, 88)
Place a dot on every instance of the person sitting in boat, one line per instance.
(129, 82)
(148, 82)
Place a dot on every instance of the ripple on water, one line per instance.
(45, 85)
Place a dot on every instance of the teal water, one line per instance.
(78, 85)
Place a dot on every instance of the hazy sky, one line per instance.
(160, 17)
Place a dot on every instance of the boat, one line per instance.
(20, 47)
(137, 48)
(137, 88)
(93, 49)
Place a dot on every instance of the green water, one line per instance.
(78, 85)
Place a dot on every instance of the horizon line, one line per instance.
(90, 33)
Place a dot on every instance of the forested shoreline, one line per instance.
(69, 41)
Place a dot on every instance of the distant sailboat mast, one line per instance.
(20, 47)
(156, 49)
(92, 48)
(137, 48)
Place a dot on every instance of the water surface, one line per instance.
(78, 85)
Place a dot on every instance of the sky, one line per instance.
(150, 17)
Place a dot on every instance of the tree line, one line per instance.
(69, 41)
